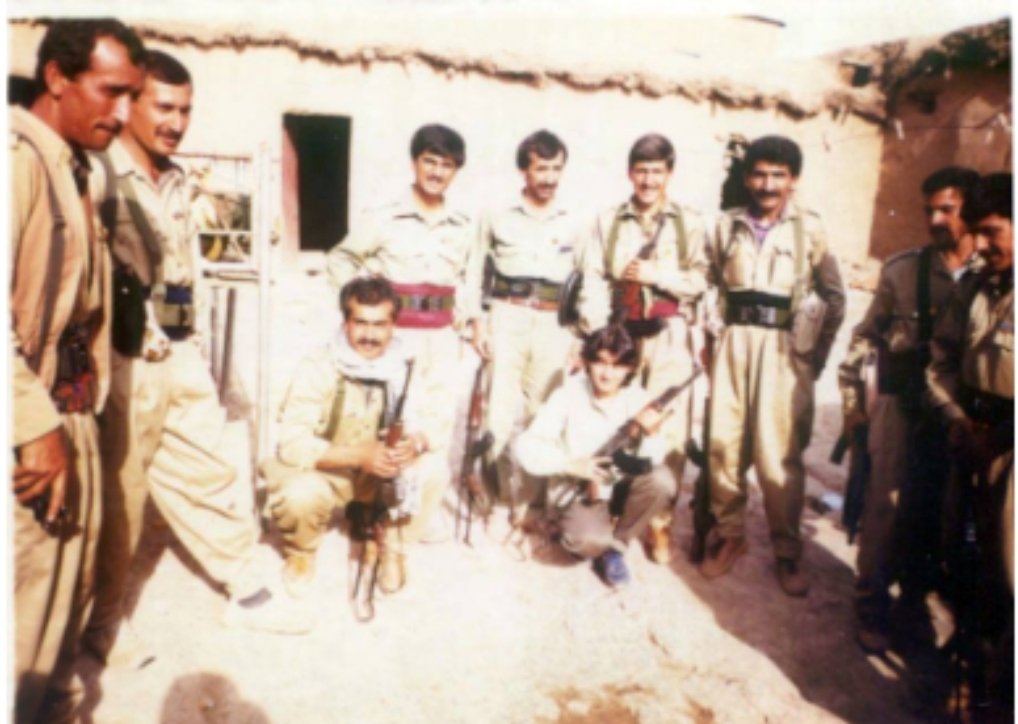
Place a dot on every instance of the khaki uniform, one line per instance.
(53, 575)
(904, 443)
(301, 498)
(762, 382)
(163, 429)
(666, 358)
(972, 375)
(529, 349)
(574, 424)
(400, 244)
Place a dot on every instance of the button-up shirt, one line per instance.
(405, 246)
(164, 203)
(524, 241)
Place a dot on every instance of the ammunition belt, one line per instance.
(986, 407)
(758, 309)
(74, 387)
(424, 306)
(527, 291)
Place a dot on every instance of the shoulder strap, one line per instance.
(336, 413)
(613, 240)
(681, 244)
(54, 262)
(800, 261)
(922, 295)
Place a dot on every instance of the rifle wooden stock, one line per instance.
(629, 298)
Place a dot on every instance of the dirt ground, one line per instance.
(479, 635)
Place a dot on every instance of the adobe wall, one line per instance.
(241, 96)
(964, 129)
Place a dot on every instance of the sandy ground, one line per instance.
(479, 635)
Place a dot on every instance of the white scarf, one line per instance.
(389, 368)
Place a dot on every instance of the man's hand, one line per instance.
(593, 469)
(480, 339)
(640, 270)
(853, 419)
(379, 460)
(42, 466)
(155, 343)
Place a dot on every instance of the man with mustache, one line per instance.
(532, 247)
(971, 383)
(907, 445)
(59, 305)
(163, 429)
(420, 244)
(664, 287)
(330, 451)
(765, 259)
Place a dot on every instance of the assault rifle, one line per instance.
(627, 300)
(858, 476)
(472, 493)
(703, 519)
(366, 518)
(625, 438)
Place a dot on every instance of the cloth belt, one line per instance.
(986, 407)
(424, 306)
(527, 291)
(175, 312)
(75, 386)
(758, 309)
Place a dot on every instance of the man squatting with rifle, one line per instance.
(971, 385)
(645, 266)
(330, 450)
(564, 441)
(906, 444)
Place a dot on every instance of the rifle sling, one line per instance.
(681, 242)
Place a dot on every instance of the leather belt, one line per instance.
(758, 309)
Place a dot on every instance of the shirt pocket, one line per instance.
(781, 269)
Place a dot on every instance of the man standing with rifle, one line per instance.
(971, 381)
(567, 435)
(532, 250)
(906, 445)
(645, 266)
(765, 259)
(331, 445)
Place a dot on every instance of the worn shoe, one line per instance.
(298, 574)
(391, 571)
(721, 556)
(611, 567)
(266, 611)
(793, 582)
(657, 544)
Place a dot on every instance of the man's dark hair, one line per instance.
(70, 43)
(441, 140)
(991, 194)
(613, 339)
(369, 291)
(164, 68)
(775, 149)
(543, 144)
(652, 147)
(957, 177)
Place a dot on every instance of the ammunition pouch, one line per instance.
(424, 306)
(74, 386)
(174, 310)
(569, 299)
(128, 324)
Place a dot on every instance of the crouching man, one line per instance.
(330, 449)
(565, 439)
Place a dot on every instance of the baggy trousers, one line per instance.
(761, 415)
(53, 580)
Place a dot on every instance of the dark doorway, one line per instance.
(318, 178)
